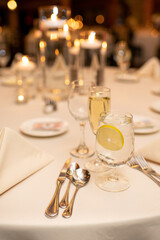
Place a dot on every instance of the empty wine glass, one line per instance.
(5, 54)
(122, 56)
(78, 107)
(99, 101)
(115, 146)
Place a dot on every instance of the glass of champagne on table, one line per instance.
(99, 101)
(78, 107)
(114, 146)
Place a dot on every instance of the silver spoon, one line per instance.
(70, 171)
(80, 179)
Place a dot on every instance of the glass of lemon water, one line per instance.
(99, 100)
(78, 107)
(114, 146)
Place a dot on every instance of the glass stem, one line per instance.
(82, 148)
(113, 175)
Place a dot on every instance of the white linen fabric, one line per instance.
(151, 68)
(151, 151)
(18, 159)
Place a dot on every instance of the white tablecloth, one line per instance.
(97, 215)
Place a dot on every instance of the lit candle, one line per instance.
(63, 33)
(75, 50)
(25, 65)
(91, 42)
(53, 21)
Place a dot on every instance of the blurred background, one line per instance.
(135, 21)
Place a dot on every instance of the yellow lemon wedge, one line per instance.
(110, 137)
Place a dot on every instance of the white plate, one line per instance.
(27, 127)
(156, 106)
(127, 77)
(145, 125)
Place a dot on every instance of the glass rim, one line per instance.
(120, 114)
(100, 87)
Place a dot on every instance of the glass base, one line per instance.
(95, 165)
(112, 184)
(82, 154)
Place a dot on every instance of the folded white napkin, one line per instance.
(151, 151)
(151, 68)
(18, 159)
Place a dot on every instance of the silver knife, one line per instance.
(53, 207)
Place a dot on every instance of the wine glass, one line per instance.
(122, 56)
(78, 107)
(114, 146)
(99, 101)
(5, 54)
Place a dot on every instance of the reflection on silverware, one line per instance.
(53, 207)
(134, 164)
(146, 167)
(70, 171)
(80, 179)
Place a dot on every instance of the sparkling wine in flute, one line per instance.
(97, 104)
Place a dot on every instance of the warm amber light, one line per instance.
(100, 19)
(12, 5)
(43, 59)
(20, 98)
(91, 37)
(53, 17)
(42, 44)
(69, 44)
(53, 36)
(56, 52)
(25, 60)
(78, 18)
(104, 45)
(65, 28)
(76, 43)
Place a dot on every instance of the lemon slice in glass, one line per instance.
(110, 137)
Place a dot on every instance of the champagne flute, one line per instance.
(78, 107)
(114, 146)
(99, 101)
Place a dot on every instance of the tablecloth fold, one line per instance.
(18, 159)
(151, 151)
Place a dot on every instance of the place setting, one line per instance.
(79, 129)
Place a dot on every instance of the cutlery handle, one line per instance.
(53, 207)
(151, 177)
(64, 202)
(68, 211)
(157, 175)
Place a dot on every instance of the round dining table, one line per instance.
(97, 214)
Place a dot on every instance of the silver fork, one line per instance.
(134, 164)
(146, 167)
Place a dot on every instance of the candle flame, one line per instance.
(20, 98)
(53, 17)
(91, 37)
(53, 36)
(65, 28)
(55, 10)
(42, 44)
(25, 60)
(76, 43)
(104, 45)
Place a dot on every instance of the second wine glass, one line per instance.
(78, 107)
(99, 101)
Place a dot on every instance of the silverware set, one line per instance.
(79, 177)
(139, 163)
